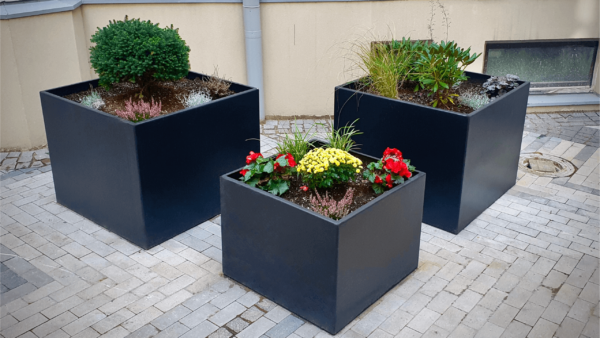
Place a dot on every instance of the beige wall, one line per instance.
(305, 45)
(48, 51)
(38, 52)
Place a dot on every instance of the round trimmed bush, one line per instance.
(139, 52)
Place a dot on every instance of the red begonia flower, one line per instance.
(252, 157)
(304, 188)
(388, 179)
(392, 153)
(243, 172)
(290, 160)
(378, 180)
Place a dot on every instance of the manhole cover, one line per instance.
(545, 165)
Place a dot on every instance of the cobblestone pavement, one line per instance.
(526, 267)
(581, 128)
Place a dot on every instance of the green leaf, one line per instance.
(283, 186)
(253, 182)
(282, 161)
(377, 188)
(268, 168)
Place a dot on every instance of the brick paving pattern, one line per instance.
(526, 267)
(576, 127)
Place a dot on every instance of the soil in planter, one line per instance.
(363, 193)
(407, 93)
(167, 92)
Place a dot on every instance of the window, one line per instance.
(545, 63)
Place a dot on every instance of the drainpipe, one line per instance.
(254, 64)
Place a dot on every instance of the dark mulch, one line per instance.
(407, 93)
(169, 93)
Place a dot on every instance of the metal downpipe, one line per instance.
(254, 64)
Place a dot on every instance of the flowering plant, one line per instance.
(140, 110)
(267, 173)
(391, 170)
(328, 207)
(324, 167)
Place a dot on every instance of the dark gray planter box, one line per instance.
(147, 181)
(470, 159)
(325, 271)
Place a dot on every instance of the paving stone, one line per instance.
(199, 315)
(169, 318)
(569, 328)
(277, 314)
(204, 329)
(257, 329)
(450, 319)
(477, 317)
(516, 330)
(225, 315)
(535, 249)
(285, 327)
(396, 322)
(237, 325)
(221, 333)
(252, 314)
(423, 320)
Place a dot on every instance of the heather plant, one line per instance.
(391, 170)
(140, 110)
(331, 208)
(195, 98)
(93, 100)
(297, 144)
(322, 168)
(473, 99)
(139, 52)
(268, 174)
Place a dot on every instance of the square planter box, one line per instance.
(470, 159)
(325, 271)
(152, 180)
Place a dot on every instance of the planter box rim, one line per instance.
(345, 86)
(121, 120)
(416, 174)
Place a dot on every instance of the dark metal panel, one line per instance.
(315, 266)
(436, 141)
(494, 146)
(433, 139)
(378, 248)
(182, 156)
(279, 250)
(114, 172)
(94, 164)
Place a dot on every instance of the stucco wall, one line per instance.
(38, 53)
(305, 45)
(52, 50)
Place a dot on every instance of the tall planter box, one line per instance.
(470, 159)
(325, 271)
(152, 180)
